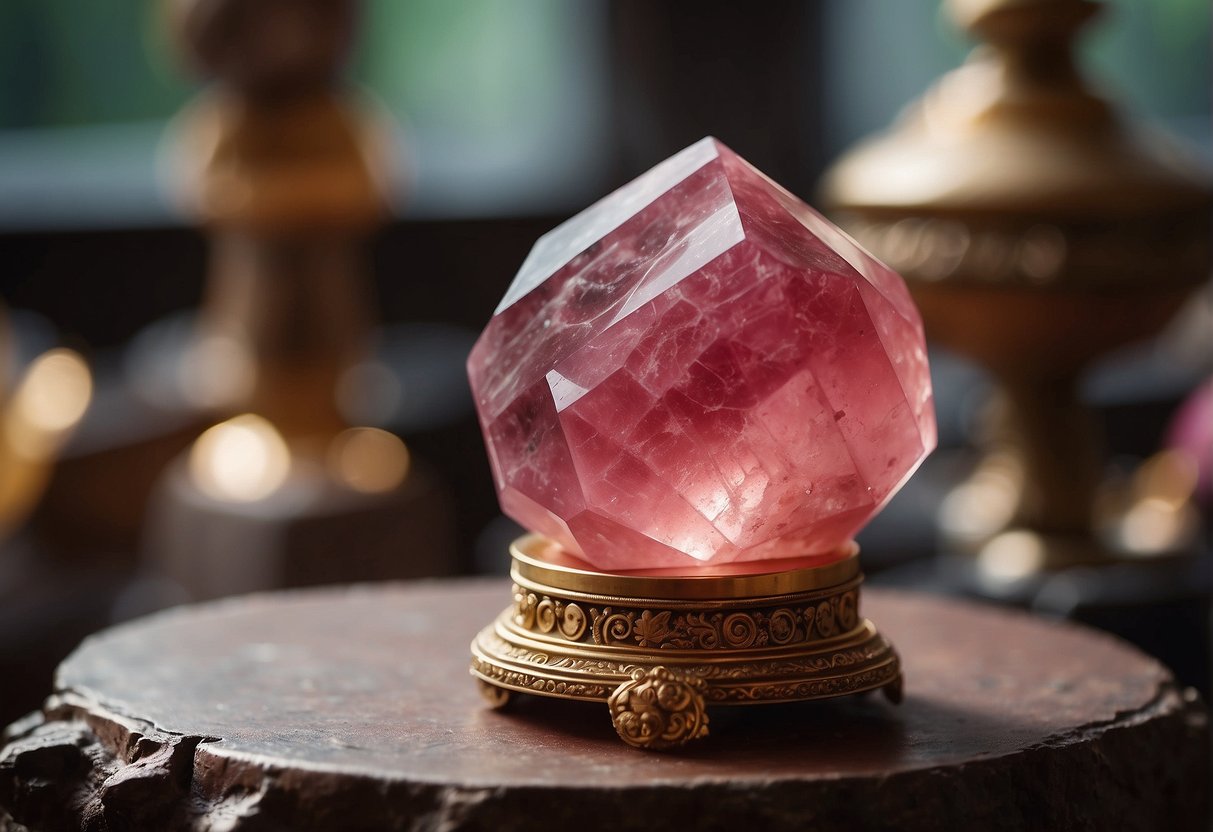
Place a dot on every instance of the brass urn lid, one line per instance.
(1017, 137)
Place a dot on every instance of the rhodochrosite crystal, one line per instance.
(701, 368)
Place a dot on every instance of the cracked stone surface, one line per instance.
(701, 368)
(353, 709)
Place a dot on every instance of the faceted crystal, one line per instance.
(701, 368)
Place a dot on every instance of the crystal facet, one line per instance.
(701, 368)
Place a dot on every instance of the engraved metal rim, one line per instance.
(726, 603)
(505, 629)
(495, 668)
(531, 566)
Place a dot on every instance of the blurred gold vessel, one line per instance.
(1038, 229)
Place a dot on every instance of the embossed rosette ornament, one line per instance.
(694, 393)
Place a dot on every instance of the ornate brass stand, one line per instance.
(660, 648)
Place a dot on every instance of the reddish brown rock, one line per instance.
(352, 709)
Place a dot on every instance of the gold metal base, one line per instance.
(659, 648)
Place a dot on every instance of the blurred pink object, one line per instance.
(1191, 434)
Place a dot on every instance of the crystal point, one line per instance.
(701, 368)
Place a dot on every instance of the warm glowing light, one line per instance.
(1012, 555)
(368, 460)
(49, 402)
(1160, 516)
(1154, 525)
(987, 502)
(241, 460)
(1169, 477)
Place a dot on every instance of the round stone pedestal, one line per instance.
(353, 709)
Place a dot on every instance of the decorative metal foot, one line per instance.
(496, 697)
(659, 708)
(892, 691)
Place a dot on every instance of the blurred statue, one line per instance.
(281, 165)
(276, 159)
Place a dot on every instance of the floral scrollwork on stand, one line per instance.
(782, 626)
(534, 612)
(717, 626)
(659, 708)
(847, 610)
(827, 621)
(525, 605)
(573, 621)
(545, 615)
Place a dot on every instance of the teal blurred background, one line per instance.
(505, 105)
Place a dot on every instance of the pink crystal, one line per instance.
(701, 368)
